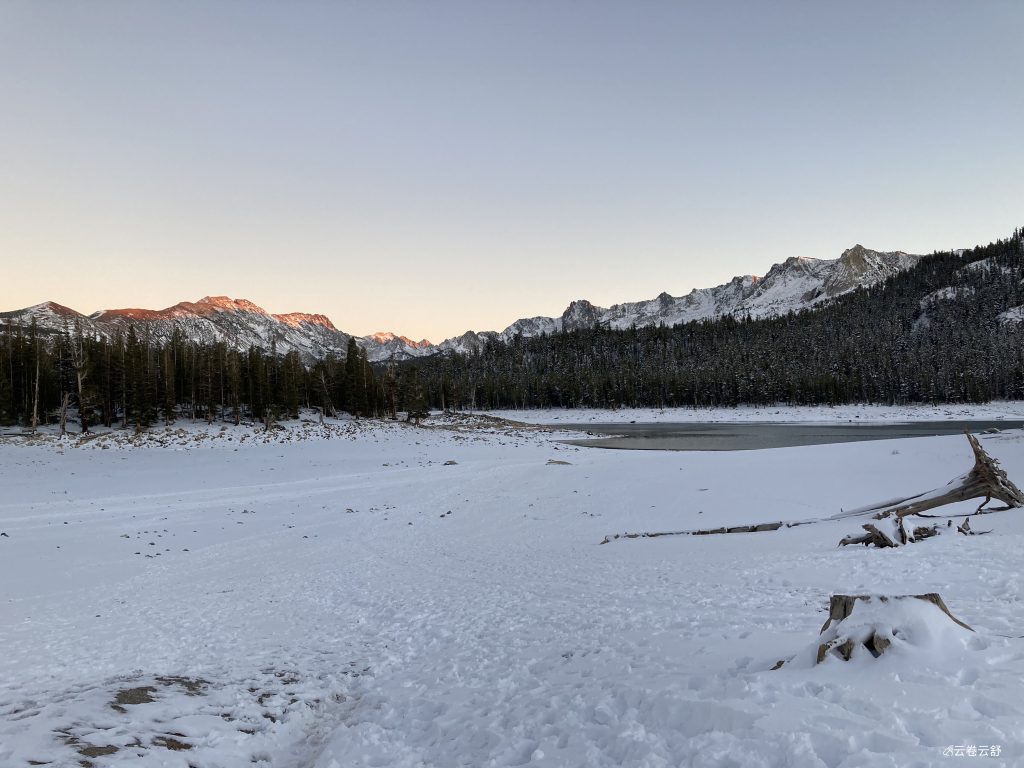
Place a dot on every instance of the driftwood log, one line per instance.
(758, 528)
(986, 480)
(889, 533)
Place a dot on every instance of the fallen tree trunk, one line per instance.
(986, 479)
(756, 528)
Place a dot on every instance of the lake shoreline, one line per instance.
(687, 436)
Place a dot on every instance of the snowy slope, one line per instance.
(349, 600)
(50, 317)
(1012, 316)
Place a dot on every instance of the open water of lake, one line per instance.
(754, 436)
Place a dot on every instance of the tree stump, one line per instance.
(876, 639)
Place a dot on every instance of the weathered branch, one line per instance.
(891, 532)
(757, 528)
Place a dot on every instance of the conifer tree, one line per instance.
(355, 385)
(169, 399)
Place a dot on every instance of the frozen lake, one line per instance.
(754, 436)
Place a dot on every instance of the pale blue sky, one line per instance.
(432, 167)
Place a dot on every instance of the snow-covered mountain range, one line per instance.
(795, 284)
(238, 322)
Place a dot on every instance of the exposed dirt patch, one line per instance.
(132, 696)
(96, 751)
(171, 743)
(85, 750)
(192, 686)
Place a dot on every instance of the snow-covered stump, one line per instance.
(866, 626)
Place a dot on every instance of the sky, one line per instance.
(433, 167)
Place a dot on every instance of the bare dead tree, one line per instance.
(79, 363)
(65, 403)
(35, 397)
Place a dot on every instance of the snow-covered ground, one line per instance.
(340, 596)
(781, 414)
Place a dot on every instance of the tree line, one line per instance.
(134, 380)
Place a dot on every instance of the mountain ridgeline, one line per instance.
(866, 327)
(946, 329)
(793, 284)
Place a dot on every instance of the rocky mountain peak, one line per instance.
(227, 304)
(859, 266)
(580, 314)
(394, 340)
(856, 257)
(57, 309)
(297, 319)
